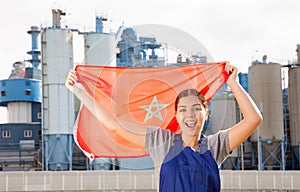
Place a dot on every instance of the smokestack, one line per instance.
(56, 17)
(264, 59)
(35, 52)
(298, 53)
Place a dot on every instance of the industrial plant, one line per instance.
(38, 135)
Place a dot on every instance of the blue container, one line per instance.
(22, 90)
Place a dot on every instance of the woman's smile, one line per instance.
(191, 124)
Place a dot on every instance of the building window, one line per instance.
(6, 134)
(39, 115)
(40, 134)
(27, 92)
(27, 133)
(3, 93)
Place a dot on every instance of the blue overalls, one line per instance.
(185, 170)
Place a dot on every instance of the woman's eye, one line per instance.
(182, 110)
(197, 109)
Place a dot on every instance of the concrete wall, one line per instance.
(140, 181)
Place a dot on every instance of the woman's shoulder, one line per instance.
(158, 142)
(155, 133)
(218, 144)
(157, 130)
(218, 135)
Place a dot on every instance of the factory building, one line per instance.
(41, 112)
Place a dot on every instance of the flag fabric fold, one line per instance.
(144, 96)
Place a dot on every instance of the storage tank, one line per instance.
(243, 79)
(266, 91)
(100, 49)
(19, 96)
(294, 105)
(58, 102)
(223, 113)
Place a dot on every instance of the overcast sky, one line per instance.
(233, 30)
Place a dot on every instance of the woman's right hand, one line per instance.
(71, 80)
(130, 131)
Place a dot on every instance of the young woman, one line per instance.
(187, 161)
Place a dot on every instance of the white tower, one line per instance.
(58, 102)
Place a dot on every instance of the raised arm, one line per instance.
(251, 115)
(132, 132)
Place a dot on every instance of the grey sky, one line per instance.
(232, 30)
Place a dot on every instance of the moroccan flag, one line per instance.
(141, 95)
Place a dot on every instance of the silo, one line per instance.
(266, 91)
(223, 115)
(243, 79)
(58, 102)
(20, 107)
(294, 105)
(22, 97)
(223, 112)
(100, 49)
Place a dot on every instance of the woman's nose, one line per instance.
(191, 113)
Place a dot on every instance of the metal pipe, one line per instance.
(253, 155)
(282, 154)
(56, 17)
(35, 52)
(299, 154)
(242, 155)
(70, 140)
(99, 25)
(298, 53)
(260, 154)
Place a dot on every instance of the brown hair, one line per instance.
(190, 92)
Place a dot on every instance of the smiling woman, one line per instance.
(185, 160)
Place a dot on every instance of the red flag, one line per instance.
(141, 95)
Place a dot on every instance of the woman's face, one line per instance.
(190, 115)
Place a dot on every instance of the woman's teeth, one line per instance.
(190, 124)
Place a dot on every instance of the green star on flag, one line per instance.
(154, 109)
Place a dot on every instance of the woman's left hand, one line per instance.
(232, 71)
